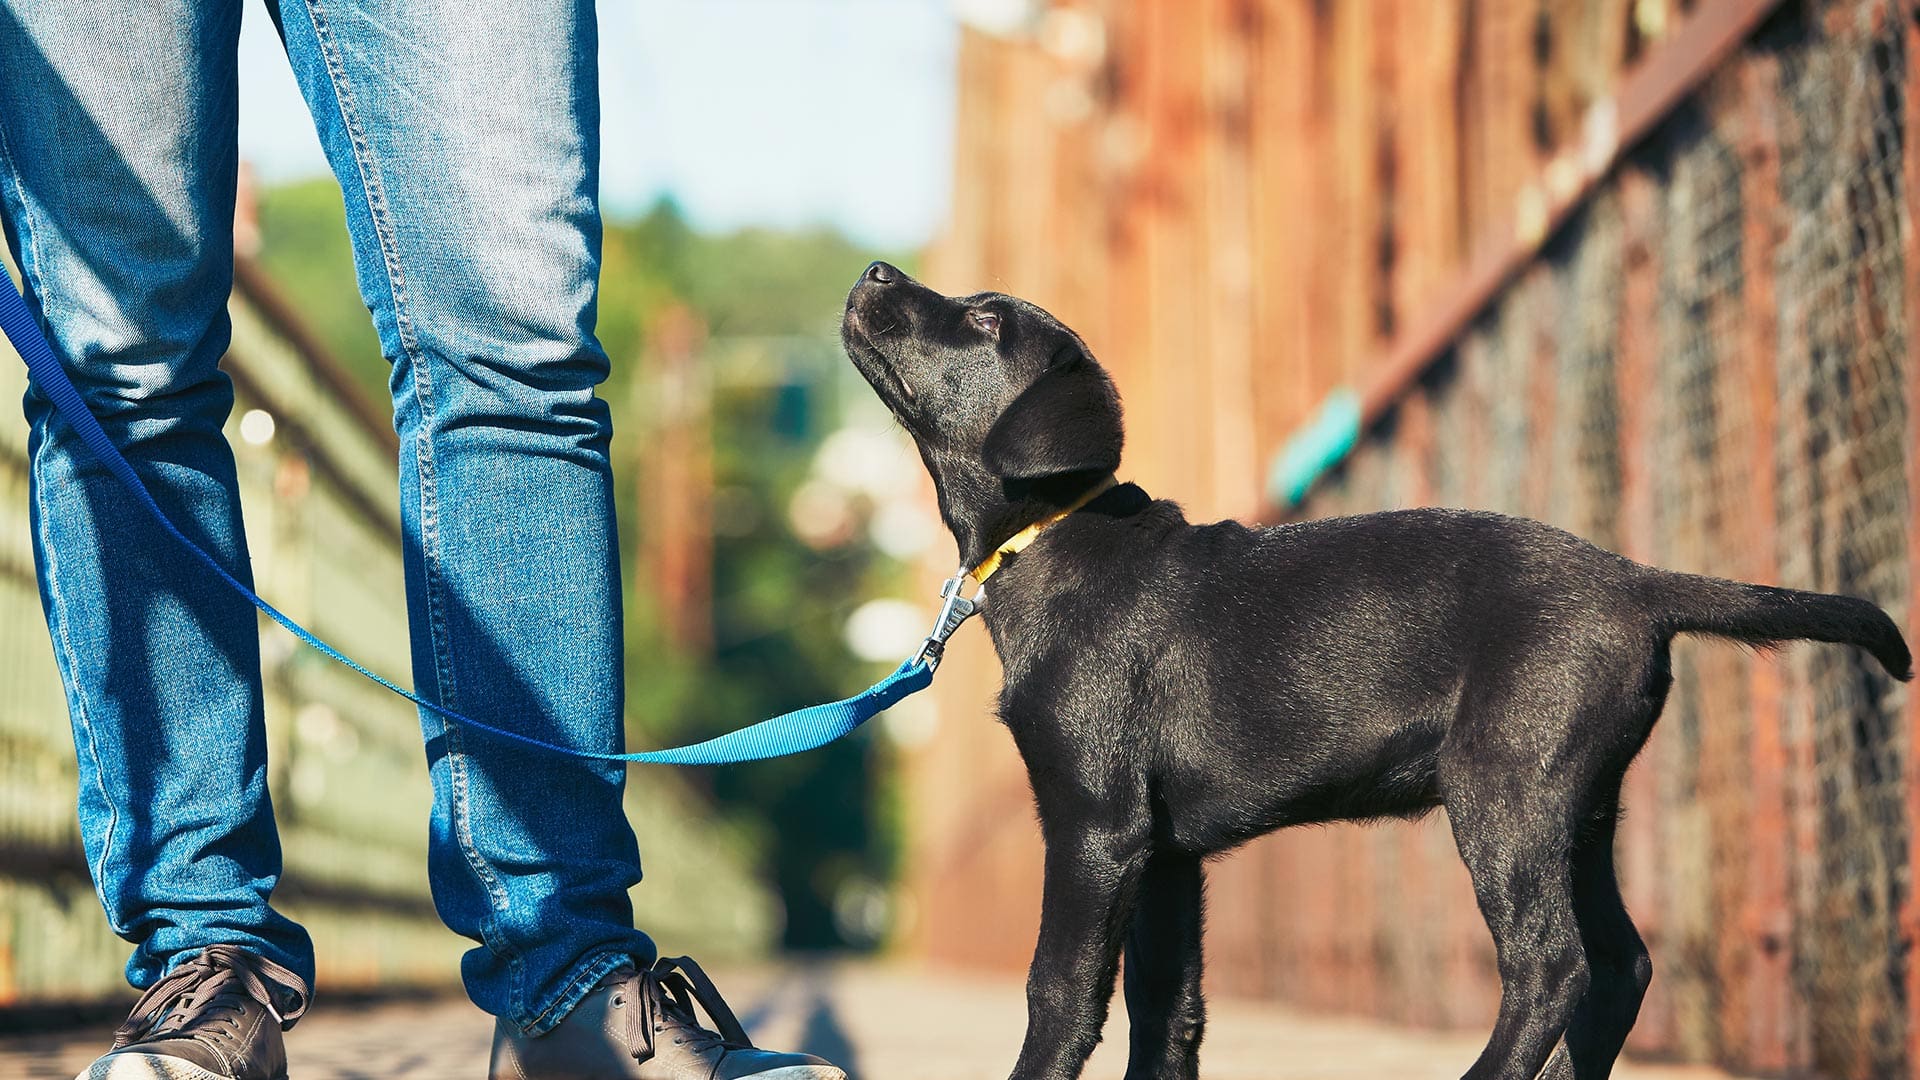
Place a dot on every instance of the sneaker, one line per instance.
(216, 1017)
(640, 1025)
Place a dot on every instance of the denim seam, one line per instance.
(585, 976)
(57, 622)
(374, 192)
(78, 701)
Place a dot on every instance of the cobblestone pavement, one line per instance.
(881, 1022)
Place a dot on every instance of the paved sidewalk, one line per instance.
(882, 1022)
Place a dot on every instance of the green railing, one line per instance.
(347, 770)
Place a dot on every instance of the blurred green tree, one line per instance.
(772, 366)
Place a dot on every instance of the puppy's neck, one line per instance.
(984, 511)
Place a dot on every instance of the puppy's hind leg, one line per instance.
(1162, 971)
(1516, 844)
(1615, 954)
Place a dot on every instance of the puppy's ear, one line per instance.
(1068, 421)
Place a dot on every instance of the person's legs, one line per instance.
(117, 169)
(465, 138)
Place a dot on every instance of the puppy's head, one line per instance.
(1006, 404)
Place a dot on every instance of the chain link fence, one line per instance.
(1708, 370)
(1267, 216)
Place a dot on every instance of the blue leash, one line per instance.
(788, 733)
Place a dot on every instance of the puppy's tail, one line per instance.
(1763, 615)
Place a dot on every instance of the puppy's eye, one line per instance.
(987, 321)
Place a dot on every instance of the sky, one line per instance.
(748, 112)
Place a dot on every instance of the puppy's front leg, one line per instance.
(1092, 879)
(1165, 1010)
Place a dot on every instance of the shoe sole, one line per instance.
(156, 1067)
(150, 1067)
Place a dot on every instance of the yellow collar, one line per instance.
(1020, 540)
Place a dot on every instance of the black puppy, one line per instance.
(1177, 689)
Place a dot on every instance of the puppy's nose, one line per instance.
(880, 273)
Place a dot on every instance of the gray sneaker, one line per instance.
(216, 1017)
(640, 1025)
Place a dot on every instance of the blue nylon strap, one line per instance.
(788, 733)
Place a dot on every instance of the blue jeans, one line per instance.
(465, 139)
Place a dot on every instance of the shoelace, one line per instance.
(211, 991)
(668, 992)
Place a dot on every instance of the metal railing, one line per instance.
(346, 767)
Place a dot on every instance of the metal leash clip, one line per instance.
(954, 610)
